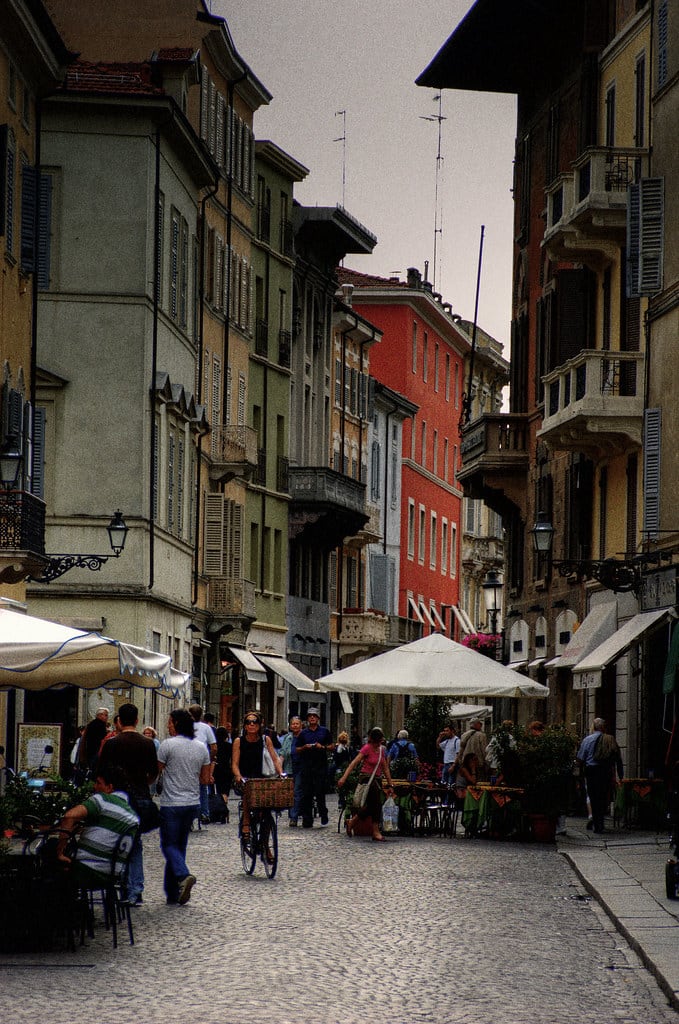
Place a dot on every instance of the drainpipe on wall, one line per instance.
(201, 329)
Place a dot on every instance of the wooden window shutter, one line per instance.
(4, 129)
(38, 460)
(574, 307)
(29, 209)
(174, 263)
(651, 237)
(204, 92)
(645, 224)
(216, 513)
(219, 130)
(171, 481)
(652, 446)
(662, 42)
(44, 231)
(211, 102)
(236, 541)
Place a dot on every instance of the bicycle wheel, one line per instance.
(248, 848)
(268, 838)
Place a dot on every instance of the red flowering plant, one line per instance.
(483, 642)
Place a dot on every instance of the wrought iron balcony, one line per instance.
(262, 338)
(233, 452)
(494, 452)
(328, 506)
(284, 348)
(22, 536)
(595, 402)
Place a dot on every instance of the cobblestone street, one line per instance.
(410, 932)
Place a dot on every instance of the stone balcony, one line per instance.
(233, 452)
(371, 628)
(587, 208)
(495, 460)
(594, 403)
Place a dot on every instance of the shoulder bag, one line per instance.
(361, 792)
(268, 769)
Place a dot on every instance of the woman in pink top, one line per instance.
(371, 757)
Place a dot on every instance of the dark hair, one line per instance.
(128, 714)
(183, 723)
(375, 734)
(222, 734)
(113, 775)
(253, 714)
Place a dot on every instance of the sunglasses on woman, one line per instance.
(251, 721)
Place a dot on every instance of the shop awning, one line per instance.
(427, 614)
(597, 626)
(631, 632)
(286, 670)
(439, 620)
(536, 662)
(254, 669)
(516, 665)
(461, 618)
(412, 603)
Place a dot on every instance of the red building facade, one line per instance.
(422, 356)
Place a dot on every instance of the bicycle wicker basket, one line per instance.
(275, 793)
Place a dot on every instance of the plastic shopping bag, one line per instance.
(390, 815)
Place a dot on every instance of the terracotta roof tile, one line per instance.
(179, 54)
(346, 275)
(127, 79)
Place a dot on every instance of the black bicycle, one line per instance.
(262, 840)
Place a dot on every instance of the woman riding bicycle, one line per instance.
(247, 758)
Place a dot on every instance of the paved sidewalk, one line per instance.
(625, 871)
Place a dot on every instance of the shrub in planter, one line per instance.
(45, 806)
(543, 766)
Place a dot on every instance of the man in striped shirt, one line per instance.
(106, 816)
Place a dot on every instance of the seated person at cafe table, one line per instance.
(105, 817)
(467, 773)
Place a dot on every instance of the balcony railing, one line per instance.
(320, 485)
(231, 596)
(264, 223)
(501, 436)
(282, 474)
(402, 630)
(22, 522)
(368, 627)
(262, 338)
(287, 238)
(259, 475)
(284, 348)
(592, 198)
(594, 399)
(233, 450)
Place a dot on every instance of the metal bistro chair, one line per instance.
(115, 906)
(438, 814)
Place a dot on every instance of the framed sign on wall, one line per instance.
(34, 741)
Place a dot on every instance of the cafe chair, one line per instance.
(59, 909)
(111, 893)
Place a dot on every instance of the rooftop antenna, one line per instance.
(438, 211)
(343, 139)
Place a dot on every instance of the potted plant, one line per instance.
(542, 765)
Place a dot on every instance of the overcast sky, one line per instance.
(318, 57)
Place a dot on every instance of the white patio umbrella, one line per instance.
(36, 654)
(433, 666)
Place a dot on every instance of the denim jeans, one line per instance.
(135, 871)
(295, 810)
(204, 800)
(175, 826)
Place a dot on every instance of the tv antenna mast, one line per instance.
(343, 139)
(438, 211)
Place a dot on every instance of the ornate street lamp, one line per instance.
(543, 534)
(10, 462)
(59, 564)
(492, 596)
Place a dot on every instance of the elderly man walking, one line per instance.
(596, 755)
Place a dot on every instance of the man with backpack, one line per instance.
(401, 747)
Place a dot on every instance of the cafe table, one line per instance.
(423, 807)
(640, 803)
(35, 902)
(492, 810)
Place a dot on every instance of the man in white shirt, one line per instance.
(206, 734)
(449, 742)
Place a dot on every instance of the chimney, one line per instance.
(414, 278)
